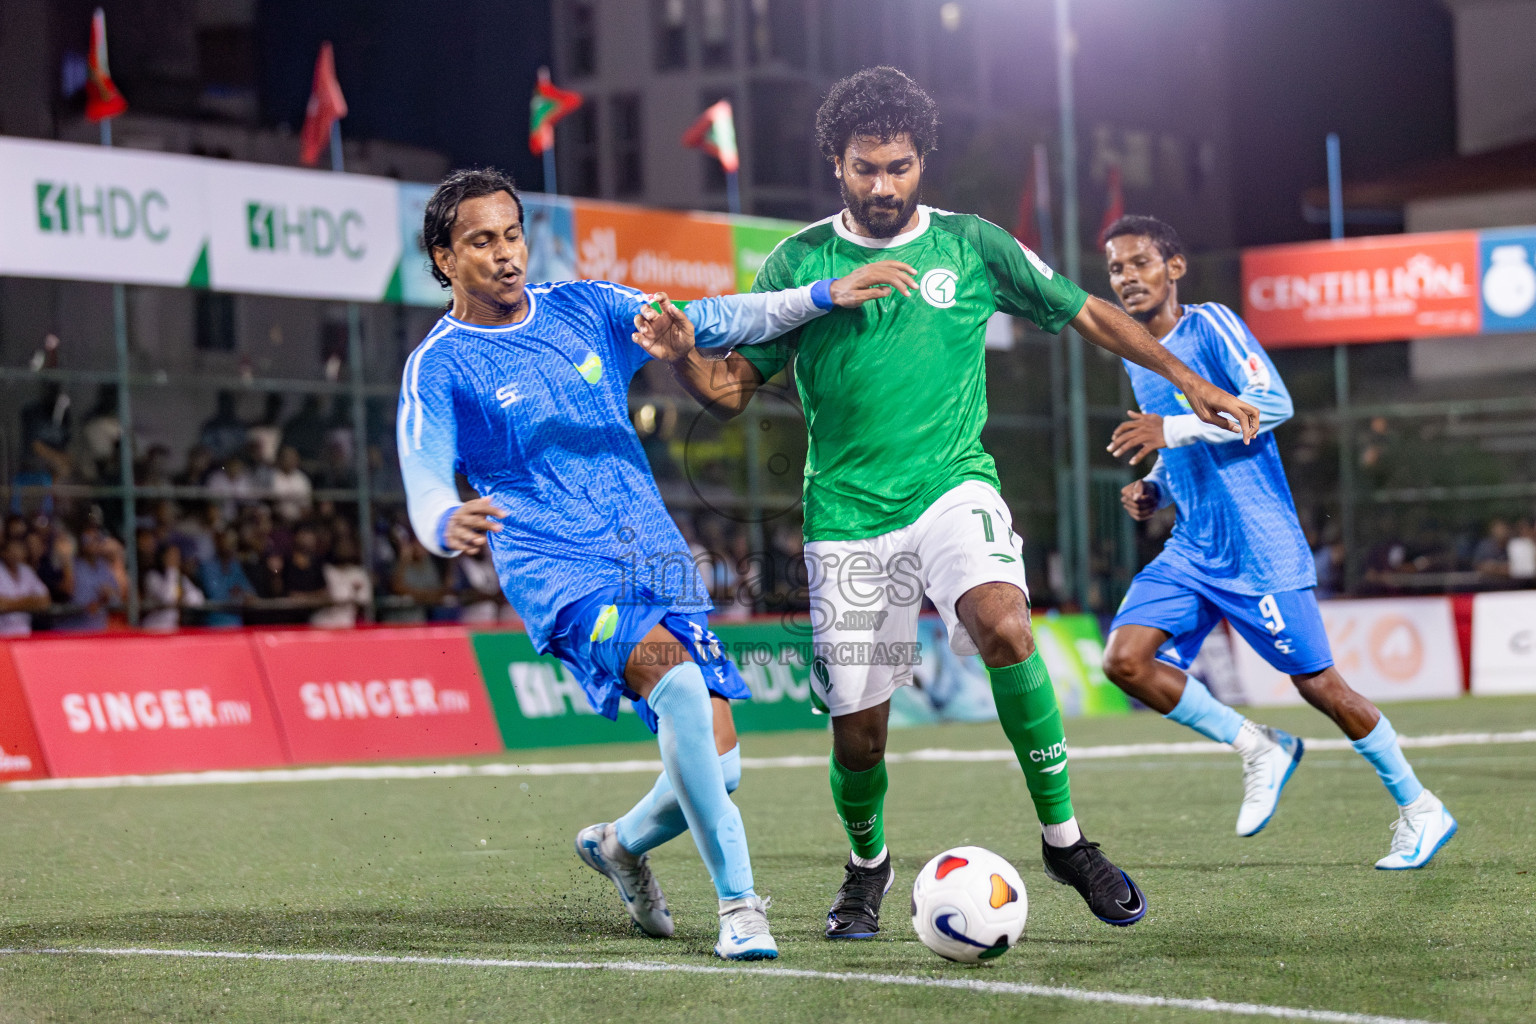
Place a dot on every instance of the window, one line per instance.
(777, 32)
(579, 159)
(781, 145)
(628, 145)
(583, 40)
(214, 328)
(670, 18)
(715, 34)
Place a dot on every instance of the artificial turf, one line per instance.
(483, 867)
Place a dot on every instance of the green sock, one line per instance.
(860, 799)
(1026, 707)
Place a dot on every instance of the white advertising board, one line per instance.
(88, 213)
(1504, 643)
(279, 231)
(1387, 649)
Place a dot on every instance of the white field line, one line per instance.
(644, 767)
(1008, 988)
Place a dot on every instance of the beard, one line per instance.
(881, 218)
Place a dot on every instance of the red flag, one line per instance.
(1034, 226)
(715, 133)
(102, 100)
(1115, 208)
(326, 106)
(549, 105)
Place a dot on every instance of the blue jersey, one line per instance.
(536, 416)
(1236, 528)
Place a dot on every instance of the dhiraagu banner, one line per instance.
(308, 234)
(87, 213)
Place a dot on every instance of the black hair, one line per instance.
(882, 102)
(443, 208)
(1162, 234)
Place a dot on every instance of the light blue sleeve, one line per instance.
(1249, 374)
(1158, 478)
(727, 321)
(426, 436)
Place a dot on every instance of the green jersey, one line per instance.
(895, 392)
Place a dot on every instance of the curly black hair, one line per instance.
(443, 208)
(882, 102)
(1162, 234)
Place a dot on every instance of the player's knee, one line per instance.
(1123, 666)
(859, 752)
(1007, 639)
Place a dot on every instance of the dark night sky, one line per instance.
(455, 76)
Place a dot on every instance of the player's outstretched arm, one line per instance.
(721, 386)
(1111, 329)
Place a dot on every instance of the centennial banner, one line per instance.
(1363, 289)
(138, 704)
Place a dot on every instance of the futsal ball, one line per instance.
(968, 904)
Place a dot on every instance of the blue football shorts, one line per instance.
(1286, 629)
(595, 635)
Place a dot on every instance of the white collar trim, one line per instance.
(882, 243)
(533, 307)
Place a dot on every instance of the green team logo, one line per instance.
(66, 208)
(1183, 402)
(939, 286)
(590, 368)
(607, 622)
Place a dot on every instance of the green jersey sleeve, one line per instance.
(777, 274)
(1022, 284)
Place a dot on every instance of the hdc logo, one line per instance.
(313, 230)
(65, 208)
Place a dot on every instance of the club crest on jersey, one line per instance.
(507, 394)
(590, 368)
(939, 286)
(1256, 371)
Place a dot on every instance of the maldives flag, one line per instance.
(715, 133)
(326, 106)
(102, 100)
(549, 104)
(1034, 227)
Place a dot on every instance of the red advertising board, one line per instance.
(21, 756)
(1363, 289)
(132, 705)
(374, 694)
(688, 257)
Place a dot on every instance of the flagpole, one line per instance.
(732, 192)
(550, 187)
(1078, 507)
(359, 402)
(125, 438)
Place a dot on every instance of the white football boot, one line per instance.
(598, 845)
(1265, 773)
(1421, 829)
(744, 931)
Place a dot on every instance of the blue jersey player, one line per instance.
(523, 389)
(1236, 553)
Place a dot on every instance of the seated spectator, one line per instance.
(417, 576)
(233, 485)
(167, 591)
(303, 575)
(45, 435)
(290, 487)
(1521, 552)
(348, 585)
(199, 465)
(21, 592)
(306, 430)
(1491, 557)
(97, 581)
(154, 469)
(265, 436)
(476, 586)
(223, 434)
(224, 581)
(99, 435)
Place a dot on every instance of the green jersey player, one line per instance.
(901, 499)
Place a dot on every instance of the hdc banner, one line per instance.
(375, 694)
(1387, 649)
(130, 705)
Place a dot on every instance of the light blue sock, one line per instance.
(686, 733)
(1380, 747)
(1205, 714)
(658, 817)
